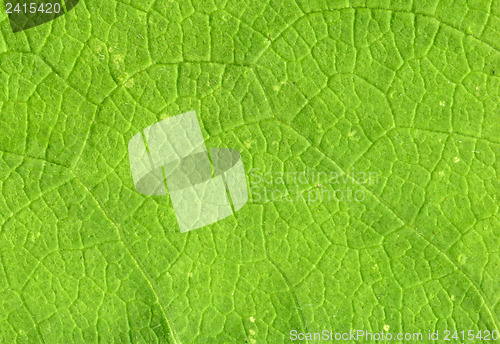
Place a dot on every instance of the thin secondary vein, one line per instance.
(137, 261)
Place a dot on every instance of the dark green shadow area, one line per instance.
(70, 4)
(26, 14)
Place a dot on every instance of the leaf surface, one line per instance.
(407, 92)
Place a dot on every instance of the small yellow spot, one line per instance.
(249, 144)
(35, 236)
(252, 319)
(252, 332)
(456, 159)
(129, 83)
(442, 103)
(452, 297)
(118, 61)
(386, 328)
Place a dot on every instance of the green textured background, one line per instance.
(409, 90)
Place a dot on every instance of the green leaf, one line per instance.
(406, 94)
